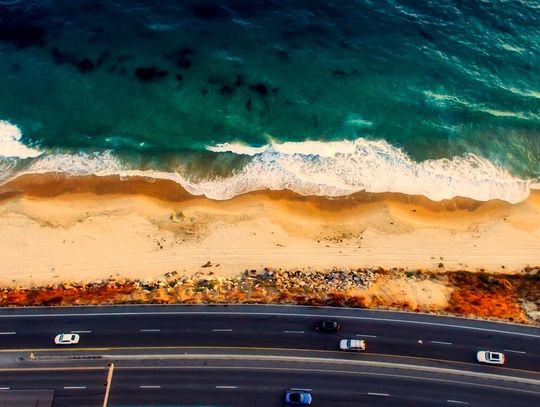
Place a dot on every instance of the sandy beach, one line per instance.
(55, 228)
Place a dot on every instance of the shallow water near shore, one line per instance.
(323, 98)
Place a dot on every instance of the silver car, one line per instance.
(66, 339)
(357, 345)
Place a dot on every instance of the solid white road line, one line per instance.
(8, 333)
(515, 351)
(226, 387)
(457, 402)
(81, 332)
(367, 336)
(4, 388)
(356, 372)
(150, 330)
(292, 314)
(150, 386)
(294, 332)
(379, 394)
(442, 343)
(74, 387)
(221, 330)
(297, 389)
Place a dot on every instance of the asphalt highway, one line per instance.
(198, 356)
(240, 386)
(272, 327)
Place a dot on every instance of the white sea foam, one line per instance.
(10, 144)
(309, 147)
(375, 166)
(325, 169)
(357, 121)
(525, 93)
(236, 148)
(511, 48)
(443, 99)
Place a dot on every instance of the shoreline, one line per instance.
(84, 228)
(52, 184)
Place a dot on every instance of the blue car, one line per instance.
(297, 398)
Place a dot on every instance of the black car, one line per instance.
(327, 325)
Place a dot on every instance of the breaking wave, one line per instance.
(341, 168)
(333, 169)
(316, 168)
(10, 142)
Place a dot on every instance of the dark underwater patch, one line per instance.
(183, 62)
(150, 74)
(424, 34)
(208, 11)
(105, 55)
(60, 57)
(181, 57)
(260, 88)
(226, 90)
(240, 80)
(20, 28)
(85, 65)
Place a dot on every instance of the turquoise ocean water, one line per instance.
(438, 97)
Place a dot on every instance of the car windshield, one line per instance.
(294, 397)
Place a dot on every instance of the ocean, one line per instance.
(439, 98)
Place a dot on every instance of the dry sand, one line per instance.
(55, 228)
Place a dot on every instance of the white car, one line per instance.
(491, 358)
(357, 345)
(67, 339)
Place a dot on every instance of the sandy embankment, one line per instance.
(54, 229)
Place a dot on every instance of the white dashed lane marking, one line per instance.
(441, 343)
(515, 351)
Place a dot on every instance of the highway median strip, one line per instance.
(302, 359)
